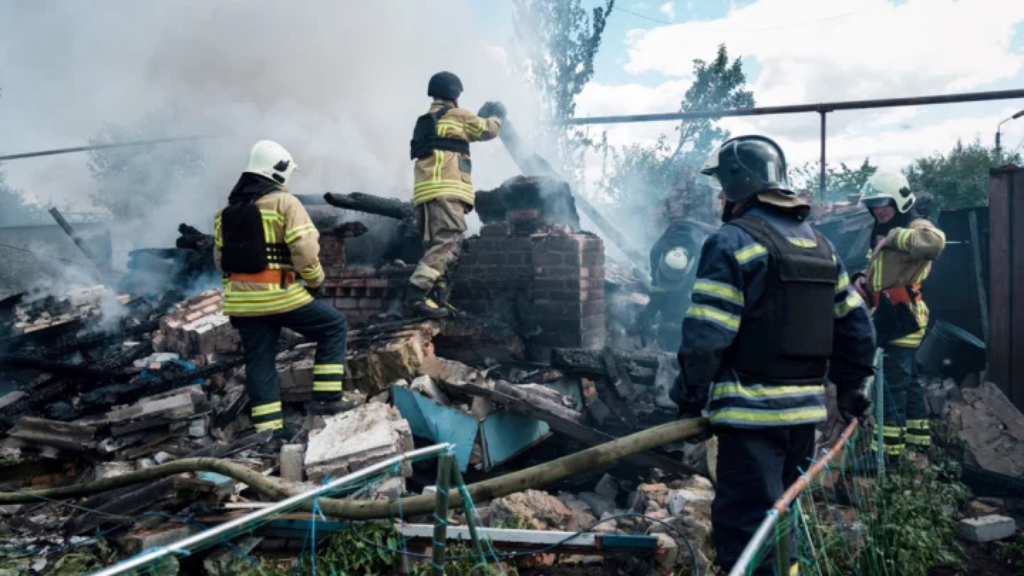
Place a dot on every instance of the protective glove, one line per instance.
(498, 109)
(487, 110)
(315, 292)
(854, 404)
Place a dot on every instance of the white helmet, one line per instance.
(884, 187)
(271, 160)
(677, 258)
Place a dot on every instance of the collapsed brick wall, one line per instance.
(364, 292)
(198, 330)
(548, 283)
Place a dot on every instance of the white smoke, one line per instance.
(339, 84)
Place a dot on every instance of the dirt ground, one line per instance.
(979, 559)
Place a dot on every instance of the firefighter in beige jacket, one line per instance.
(443, 187)
(904, 246)
(264, 243)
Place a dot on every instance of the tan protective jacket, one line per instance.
(906, 261)
(447, 174)
(285, 220)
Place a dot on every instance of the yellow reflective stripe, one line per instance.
(265, 409)
(475, 129)
(269, 294)
(329, 369)
(436, 184)
(273, 215)
(903, 239)
(853, 300)
(295, 233)
(876, 273)
(919, 424)
(916, 440)
(426, 271)
(748, 253)
(326, 386)
(231, 306)
(923, 274)
(272, 425)
(719, 289)
(910, 341)
(794, 570)
(726, 389)
(768, 416)
(438, 161)
(843, 282)
(701, 312)
(465, 196)
(803, 242)
(312, 274)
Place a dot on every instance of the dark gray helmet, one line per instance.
(444, 86)
(746, 166)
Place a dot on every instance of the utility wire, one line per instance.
(783, 27)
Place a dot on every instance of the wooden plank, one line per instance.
(1000, 282)
(1014, 387)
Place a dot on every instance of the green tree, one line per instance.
(15, 210)
(960, 178)
(839, 182)
(136, 179)
(643, 174)
(555, 44)
(717, 85)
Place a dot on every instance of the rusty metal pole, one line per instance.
(75, 238)
(821, 181)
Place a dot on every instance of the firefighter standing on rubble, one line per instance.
(443, 188)
(262, 239)
(904, 245)
(772, 317)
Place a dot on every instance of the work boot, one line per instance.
(442, 289)
(419, 303)
(330, 407)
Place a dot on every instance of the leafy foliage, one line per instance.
(958, 179)
(1013, 553)
(839, 182)
(913, 529)
(15, 210)
(642, 175)
(555, 44)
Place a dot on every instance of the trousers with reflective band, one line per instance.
(749, 405)
(318, 321)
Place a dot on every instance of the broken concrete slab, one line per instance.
(63, 435)
(174, 405)
(538, 509)
(986, 430)
(987, 528)
(356, 439)
(398, 358)
(292, 456)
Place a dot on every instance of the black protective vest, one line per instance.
(245, 248)
(786, 336)
(425, 139)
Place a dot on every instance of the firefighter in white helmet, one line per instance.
(903, 247)
(264, 243)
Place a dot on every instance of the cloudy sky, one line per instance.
(809, 51)
(340, 83)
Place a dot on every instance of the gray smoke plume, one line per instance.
(339, 84)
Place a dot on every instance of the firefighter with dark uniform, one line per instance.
(904, 245)
(443, 188)
(772, 319)
(264, 242)
(674, 261)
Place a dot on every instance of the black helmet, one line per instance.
(444, 86)
(746, 166)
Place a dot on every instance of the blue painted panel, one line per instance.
(506, 433)
(437, 423)
(568, 387)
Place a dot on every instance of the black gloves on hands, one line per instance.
(854, 404)
(492, 110)
(315, 292)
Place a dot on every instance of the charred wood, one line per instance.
(371, 204)
(641, 367)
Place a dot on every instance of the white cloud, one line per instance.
(669, 10)
(814, 50)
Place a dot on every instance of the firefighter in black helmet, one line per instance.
(772, 318)
(443, 188)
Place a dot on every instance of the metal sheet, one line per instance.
(505, 434)
(437, 423)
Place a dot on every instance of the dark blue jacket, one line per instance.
(731, 278)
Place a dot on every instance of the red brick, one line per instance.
(500, 230)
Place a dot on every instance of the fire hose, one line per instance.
(533, 477)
